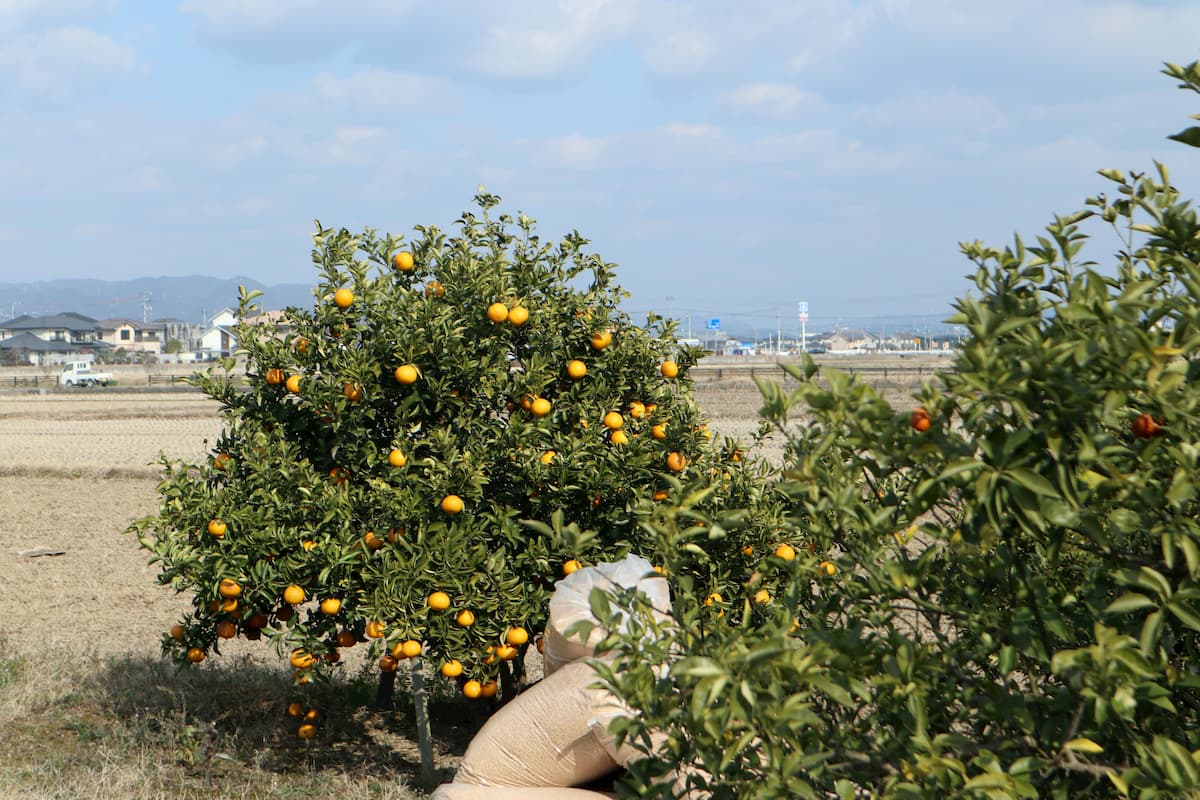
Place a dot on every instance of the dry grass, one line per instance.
(83, 726)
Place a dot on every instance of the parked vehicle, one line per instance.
(79, 373)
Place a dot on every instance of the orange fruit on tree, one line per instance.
(1145, 426)
(785, 551)
(540, 407)
(489, 689)
(601, 340)
(295, 710)
(452, 668)
(331, 606)
(613, 420)
(230, 606)
(919, 420)
(293, 594)
(397, 458)
(275, 376)
(176, 632)
(669, 369)
(661, 494)
(394, 534)
(434, 289)
(293, 384)
(506, 652)
(228, 587)
(352, 392)
(195, 655)
(472, 689)
(619, 437)
(307, 731)
(343, 298)
(374, 629)
(302, 659)
(637, 409)
(339, 475)
(516, 636)
(714, 599)
(659, 431)
(576, 369)
(452, 504)
(301, 345)
(402, 260)
(372, 541)
(217, 528)
(571, 566)
(388, 664)
(308, 544)
(410, 648)
(676, 461)
(406, 374)
(465, 618)
(221, 461)
(497, 312)
(439, 601)
(226, 629)
(518, 315)
(828, 567)
(762, 597)
(346, 639)
(548, 457)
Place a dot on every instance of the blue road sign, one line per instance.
(714, 324)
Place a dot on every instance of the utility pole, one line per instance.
(803, 306)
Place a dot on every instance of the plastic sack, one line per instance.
(569, 604)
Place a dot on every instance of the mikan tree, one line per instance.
(1005, 597)
(457, 422)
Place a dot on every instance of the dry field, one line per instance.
(79, 631)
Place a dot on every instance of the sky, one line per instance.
(734, 159)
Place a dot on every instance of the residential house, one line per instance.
(273, 319)
(219, 339)
(53, 339)
(132, 336)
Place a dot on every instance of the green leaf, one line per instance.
(1130, 601)
(1031, 481)
(1189, 136)
(1083, 745)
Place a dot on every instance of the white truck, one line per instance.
(79, 373)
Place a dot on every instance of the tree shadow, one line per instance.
(238, 710)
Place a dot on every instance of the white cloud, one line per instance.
(376, 90)
(55, 65)
(772, 101)
(18, 16)
(948, 113)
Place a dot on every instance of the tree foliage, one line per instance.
(1014, 605)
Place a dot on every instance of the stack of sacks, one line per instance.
(555, 735)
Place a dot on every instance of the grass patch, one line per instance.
(76, 726)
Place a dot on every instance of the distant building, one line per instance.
(219, 339)
(53, 339)
(132, 336)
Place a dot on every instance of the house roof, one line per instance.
(121, 322)
(69, 320)
(27, 341)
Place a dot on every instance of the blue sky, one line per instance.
(735, 157)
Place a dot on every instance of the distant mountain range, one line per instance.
(193, 298)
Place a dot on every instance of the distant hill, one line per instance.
(191, 298)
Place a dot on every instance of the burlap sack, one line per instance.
(547, 736)
(464, 791)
